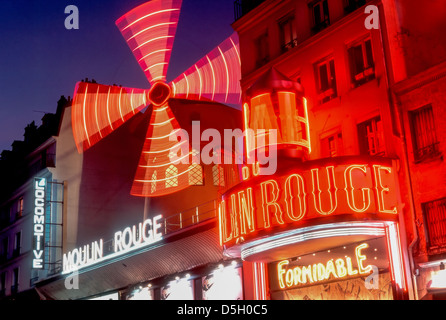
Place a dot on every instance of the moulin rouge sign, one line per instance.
(353, 188)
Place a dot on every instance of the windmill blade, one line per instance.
(98, 110)
(157, 174)
(215, 77)
(150, 32)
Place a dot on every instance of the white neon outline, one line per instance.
(96, 113)
(151, 40)
(166, 136)
(201, 82)
(213, 76)
(227, 73)
(83, 113)
(187, 85)
(108, 111)
(153, 52)
(156, 65)
(119, 105)
(149, 15)
(148, 28)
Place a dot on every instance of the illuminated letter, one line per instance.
(306, 273)
(330, 269)
(234, 217)
(224, 236)
(340, 268)
(290, 194)
(280, 272)
(147, 235)
(320, 272)
(117, 242)
(245, 173)
(317, 191)
(246, 211)
(350, 270)
(156, 226)
(380, 189)
(349, 189)
(267, 202)
(360, 258)
(72, 21)
(289, 277)
(297, 276)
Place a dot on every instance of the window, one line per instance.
(332, 146)
(352, 5)
(371, 137)
(288, 34)
(195, 175)
(326, 80)
(262, 50)
(362, 65)
(424, 137)
(321, 18)
(15, 281)
(171, 176)
(17, 244)
(4, 249)
(218, 176)
(19, 208)
(2, 284)
(153, 184)
(435, 222)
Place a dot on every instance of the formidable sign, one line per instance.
(301, 191)
(340, 268)
(39, 223)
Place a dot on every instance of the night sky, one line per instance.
(40, 60)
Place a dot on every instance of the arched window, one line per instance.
(218, 176)
(153, 184)
(195, 175)
(171, 176)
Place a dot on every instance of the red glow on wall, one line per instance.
(98, 110)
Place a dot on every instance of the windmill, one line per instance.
(99, 110)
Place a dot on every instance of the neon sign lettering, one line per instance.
(39, 223)
(314, 273)
(362, 190)
(129, 239)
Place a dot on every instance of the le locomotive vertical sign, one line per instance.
(39, 223)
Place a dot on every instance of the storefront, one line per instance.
(321, 229)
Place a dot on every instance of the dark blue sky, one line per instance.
(40, 60)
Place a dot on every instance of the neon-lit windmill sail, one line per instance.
(215, 77)
(156, 174)
(98, 110)
(150, 32)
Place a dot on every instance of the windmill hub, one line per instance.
(159, 93)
